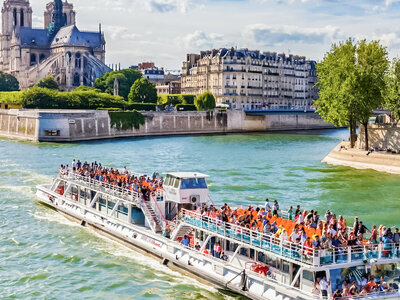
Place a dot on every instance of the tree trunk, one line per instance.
(353, 133)
(366, 136)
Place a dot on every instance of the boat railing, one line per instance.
(102, 186)
(293, 251)
(146, 210)
(160, 216)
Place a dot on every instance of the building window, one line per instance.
(33, 59)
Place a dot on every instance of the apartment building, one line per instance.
(251, 79)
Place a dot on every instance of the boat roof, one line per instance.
(185, 175)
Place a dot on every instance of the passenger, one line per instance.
(197, 246)
(324, 286)
(290, 213)
(267, 205)
(185, 241)
(276, 208)
(217, 250)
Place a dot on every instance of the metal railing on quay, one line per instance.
(285, 248)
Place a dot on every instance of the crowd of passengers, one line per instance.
(310, 230)
(365, 286)
(144, 185)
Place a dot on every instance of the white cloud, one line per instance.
(201, 40)
(279, 35)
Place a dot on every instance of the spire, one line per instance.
(57, 20)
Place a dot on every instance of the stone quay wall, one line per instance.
(83, 125)
(381, 136)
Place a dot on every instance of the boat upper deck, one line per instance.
(296, 252)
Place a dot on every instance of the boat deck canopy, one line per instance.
(186, 175)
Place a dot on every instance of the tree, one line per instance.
(372, 66)
(126, 78)
(351, 83)
(48, 83)
(205, 101)
(392, 95)
(8, 83)
(143, 91)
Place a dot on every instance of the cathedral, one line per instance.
(61, 50)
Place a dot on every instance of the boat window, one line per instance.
(167, 180)
(193, 183)
(123, 210)
(308, 275)
(176, 183)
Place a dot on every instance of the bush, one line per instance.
(186, 107)
(51, 99)
(11, 97)
(142, 106)
(110, 108)
(126, 119)
(48, 83)
(174, 99)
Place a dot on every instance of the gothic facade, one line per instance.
(60, 49)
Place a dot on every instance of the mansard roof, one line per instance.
(71, 36)
(34, 37)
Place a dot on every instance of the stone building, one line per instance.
(61, 50)
(251, 79)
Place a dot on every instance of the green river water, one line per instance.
(44, 256)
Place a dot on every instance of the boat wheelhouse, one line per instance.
(254, 264)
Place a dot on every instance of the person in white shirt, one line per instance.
(324, 286)
(294, 236)
(267, 205)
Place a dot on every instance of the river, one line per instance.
(43, 255)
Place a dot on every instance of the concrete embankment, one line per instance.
(343, 155)
(83, 125)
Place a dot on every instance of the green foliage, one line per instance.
(126, 78)
(126, 120)
(83, 88)
(351, 83)
(205, 101)
(142, 106)
(11, 97)
(392, 95)
(51, 99)
(8, 83)
(186, 107)
(143, 91)
(48, 83)
(110, 108)
(174, 99)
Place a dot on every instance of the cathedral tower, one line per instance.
(15, 14)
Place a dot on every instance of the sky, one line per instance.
(164, 31)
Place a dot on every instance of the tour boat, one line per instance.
(256, 265)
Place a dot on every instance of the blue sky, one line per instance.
(164, 31)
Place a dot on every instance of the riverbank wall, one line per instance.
(380, 136)
(84, 125)
(343, 155)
